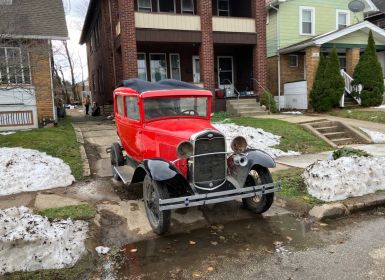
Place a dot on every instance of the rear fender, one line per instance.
(238, 174)
(163, 173)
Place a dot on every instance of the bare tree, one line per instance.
(71, 66)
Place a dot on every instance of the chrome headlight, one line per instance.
(239, 144)
(185, 149)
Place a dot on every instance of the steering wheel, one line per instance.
(190, 112)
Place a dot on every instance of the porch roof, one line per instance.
(337, 38)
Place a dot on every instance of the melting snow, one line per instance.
(380, 107)
(30, 242)
(345, 177)
(256, 138)
(377, 137)
(293, 113)
(7, 133)
(24, 170)
(102, 250)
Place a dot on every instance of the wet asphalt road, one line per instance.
(277, 247)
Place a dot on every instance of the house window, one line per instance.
(144, 6)
(175, 66)
(343, 19)
(293, 60)
(158, 67)
(342, 60)
(307, 20)
(132, 108)
(142, 66)
(97, 33)
(14, 66)
(166, 6)
(119, 105)
(223, 8)
(187, 7)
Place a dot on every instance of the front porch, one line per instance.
(298, 63)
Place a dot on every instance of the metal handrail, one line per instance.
(236, 92)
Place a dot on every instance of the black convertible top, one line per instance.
(143, 86)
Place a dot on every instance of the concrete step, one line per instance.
(254, 114)
(242, 101)
(343, 141)
(335, 135)
(244, 105)
(322, 124)
(333, 128)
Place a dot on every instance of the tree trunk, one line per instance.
(73, 84)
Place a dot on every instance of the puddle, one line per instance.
(169, 257)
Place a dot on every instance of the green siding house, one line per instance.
(298, 31)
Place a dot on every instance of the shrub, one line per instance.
(318, 100)
(369, 74)
(349, 152)
(267, 99)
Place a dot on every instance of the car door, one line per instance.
(132, 135)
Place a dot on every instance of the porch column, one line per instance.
(128, 39)
(312, 62)
(352, 59)
(206, 51)
(259, 50)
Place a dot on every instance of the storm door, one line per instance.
(226, 74)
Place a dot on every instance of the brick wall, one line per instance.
(291, 74)
(272, 74)
(39, 54)
(312, 62)
(352, 59)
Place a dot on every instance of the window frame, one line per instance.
(117, 105)
(145, 62)
(192, 12)
(22, 51)
(347, 13)
(166, 12)
(296, 61)
(228, 8)
(179, 66)
(145, 8)
(136, 102)
(313, 20)
(166, 66)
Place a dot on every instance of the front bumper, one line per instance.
(217, 197)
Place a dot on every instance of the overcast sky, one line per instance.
(75, 12)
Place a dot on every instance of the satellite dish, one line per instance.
(356, 6)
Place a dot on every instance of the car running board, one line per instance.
(217, 197)
(125, 173)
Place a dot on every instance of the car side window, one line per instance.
(132, 108)
(119, 105)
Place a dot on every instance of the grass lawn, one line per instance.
(294, 137)
(57, 141)
(371, 116)
(76, 212)
(293, 186)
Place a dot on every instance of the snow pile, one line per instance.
(30, 242)
(7, 133)
(102, 250)
(24, 170)
(380, 107)
(377, 137)
(293, 113)
(345, 177)
(256, 138)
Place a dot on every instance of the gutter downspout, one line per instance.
(55, 117)
(278, 56)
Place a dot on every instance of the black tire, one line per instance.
(152, 192)
(117, 159)
(259, 204)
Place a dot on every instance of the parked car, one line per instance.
(169, 144)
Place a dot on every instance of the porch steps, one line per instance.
(336, 133)
(350, 102)
(245, 107)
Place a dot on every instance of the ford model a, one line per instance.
(169, 144)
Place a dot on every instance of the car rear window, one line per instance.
(175, 107)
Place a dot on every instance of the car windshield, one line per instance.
(175, 107)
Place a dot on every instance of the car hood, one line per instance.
(182, 128)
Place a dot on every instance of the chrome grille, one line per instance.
(209, 170)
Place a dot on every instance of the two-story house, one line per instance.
(215, 43)
(379, 17)
(26, 91)
(298, 31)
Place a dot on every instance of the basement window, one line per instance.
(188, 7)
(144, 6)
(293, 61)
(166, 6)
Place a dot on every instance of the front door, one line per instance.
(196, 70)
(226, 75)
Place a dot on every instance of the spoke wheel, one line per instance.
(259, 203)
(152, 192)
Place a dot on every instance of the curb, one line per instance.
(83, 154)
(345, 208)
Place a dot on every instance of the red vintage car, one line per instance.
(169, 144)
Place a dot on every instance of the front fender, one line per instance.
(164, 172)
(238, 174)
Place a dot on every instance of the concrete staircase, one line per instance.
(350, 102)
(337, 133)
(247, 107)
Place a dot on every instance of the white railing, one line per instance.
(349, 88)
